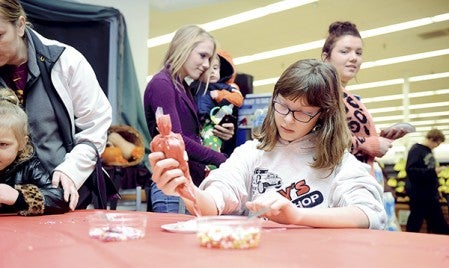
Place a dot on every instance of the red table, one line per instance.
(63, 241)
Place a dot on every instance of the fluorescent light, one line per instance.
(319, 43)
(410, 95)
(431, 122)
(400, 118)
(279, 52)
(396, 81)
(397, 27)
(263, 82)
(254, 14)
(418, 123)
(236, 19)
(406, 58)
(160, 40)
(428, 77)
(376, 84)
(422, 134)
(411, 107)
(405, 25)
(441, 17)
(422, 129)
(381, 62)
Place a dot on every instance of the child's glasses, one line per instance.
(297, 115)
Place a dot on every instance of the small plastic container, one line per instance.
(229, 232)
(111, 227)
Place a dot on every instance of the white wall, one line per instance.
(136, 13)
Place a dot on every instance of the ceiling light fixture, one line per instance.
(410, 95)
(400, 118)
(420, 123)
(418, 56)
(383, 62)
(411, 107)
(396, 81)
(318, 44)
(236, 19)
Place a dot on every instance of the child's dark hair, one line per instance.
(435, 135)
(336, 31)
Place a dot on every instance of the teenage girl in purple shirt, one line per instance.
(188, 56)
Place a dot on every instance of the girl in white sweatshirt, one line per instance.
(298, 165)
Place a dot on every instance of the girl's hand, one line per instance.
(384, 146)
(225, 131)
(393, 133)
(397, 131)
(166, 173)
(281, 210)
(8, 195)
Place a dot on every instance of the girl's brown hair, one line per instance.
(318, 84)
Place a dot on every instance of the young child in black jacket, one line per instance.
(25, 185)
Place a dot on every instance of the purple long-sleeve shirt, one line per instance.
(180, 105)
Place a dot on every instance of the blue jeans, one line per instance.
(166, 203)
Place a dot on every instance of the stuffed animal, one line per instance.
(120, 151)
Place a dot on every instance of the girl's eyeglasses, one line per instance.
(297, 115)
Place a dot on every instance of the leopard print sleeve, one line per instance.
(33, 197)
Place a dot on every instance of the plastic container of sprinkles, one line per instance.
(110, 227)
(228, 232)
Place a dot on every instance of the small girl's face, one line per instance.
(288, 127)
(9, 147)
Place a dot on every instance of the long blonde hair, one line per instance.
(318, 84)
(184, 41)
(14, 117)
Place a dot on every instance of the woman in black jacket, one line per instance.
(25, 185)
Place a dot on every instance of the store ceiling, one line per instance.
(309, 23)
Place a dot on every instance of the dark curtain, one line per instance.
(88, 28)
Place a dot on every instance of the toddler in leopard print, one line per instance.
(25, 185)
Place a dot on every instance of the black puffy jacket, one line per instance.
(36, 194)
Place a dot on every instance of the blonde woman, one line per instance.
(189, 55)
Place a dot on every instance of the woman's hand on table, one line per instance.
(70, 191)
(225, 131)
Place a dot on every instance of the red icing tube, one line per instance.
(172, 145)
